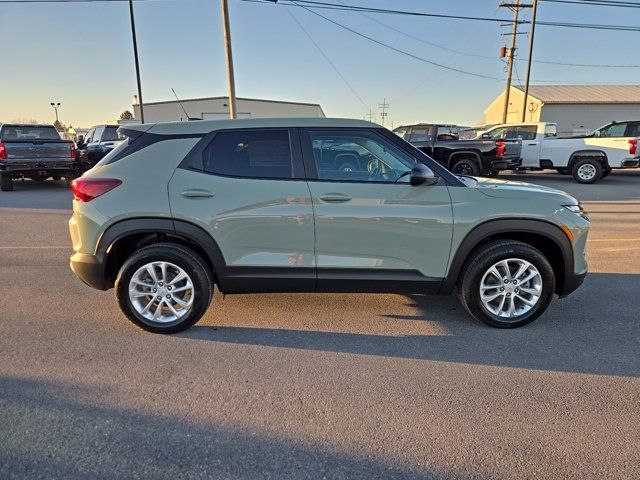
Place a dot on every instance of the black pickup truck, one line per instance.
(36, 152)
(462, 157)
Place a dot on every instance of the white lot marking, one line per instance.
(35, 248)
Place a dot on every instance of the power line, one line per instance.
(355, 32)
(326, 57)
(356, 8)
(597, 3)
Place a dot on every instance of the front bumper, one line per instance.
(571, 283)
(90, 269)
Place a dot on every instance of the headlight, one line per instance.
(578, 210)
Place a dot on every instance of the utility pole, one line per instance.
(135, 56)
(370, 116)
(231, 84)
(515, 7)
(383, 110)
(531, 34)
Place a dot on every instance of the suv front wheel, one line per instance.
(164, 288)
(507, 284)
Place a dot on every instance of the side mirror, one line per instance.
(422, 175)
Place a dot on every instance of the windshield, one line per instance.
(111, 134)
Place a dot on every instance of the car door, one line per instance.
(374, 231)
(530, 144)
(93, 145)
(246, 188)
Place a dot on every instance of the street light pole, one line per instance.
(231, 84)
(135, 56)
(55, 107)
(526, 86)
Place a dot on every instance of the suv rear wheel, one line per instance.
(164, 288)
(507, 284)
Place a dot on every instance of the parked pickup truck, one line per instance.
(36, 152)
(462, 157)
(98, 141)
(588, 158)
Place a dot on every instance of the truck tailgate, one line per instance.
(37, 149)
(513, 148)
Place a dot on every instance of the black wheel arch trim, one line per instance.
(575, 157)
(180, 228)
(505, 226)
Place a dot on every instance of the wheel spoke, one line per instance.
(505, 265)
(532, 291)
(163, 271)
(179, 301)
(523, 268)
(158, 311)
(528, 302)
(140, 283)
(145, 310)
(177, 313)
(491, 297)
(151, 270)
(187, 286)
(181, 276)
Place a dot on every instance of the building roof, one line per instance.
(585, 93)
(206, 126)
(187, 100)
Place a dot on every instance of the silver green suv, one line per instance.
(312, 205)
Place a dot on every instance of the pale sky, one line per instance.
(80, 54)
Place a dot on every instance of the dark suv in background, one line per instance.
(98, 141)
(462, 157)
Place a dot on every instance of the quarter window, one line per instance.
(422, 134)
(358, 156)
(250, 153)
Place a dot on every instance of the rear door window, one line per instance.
(526, 132)
(422, 134)
(633, 129)
(250, 154)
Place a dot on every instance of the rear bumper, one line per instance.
(31, 166)
(630, 163)
(90, 269)
(506, 164)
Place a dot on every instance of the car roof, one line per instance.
(26, 125)
(206, 126)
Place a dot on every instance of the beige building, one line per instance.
(575, 108)
(218, 107)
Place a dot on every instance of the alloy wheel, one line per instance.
(161, 292)
(510, 288)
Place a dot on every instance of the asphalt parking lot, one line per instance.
(318, 386)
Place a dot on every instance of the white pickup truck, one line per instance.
(588, 158)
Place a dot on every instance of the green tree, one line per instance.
(126, 115)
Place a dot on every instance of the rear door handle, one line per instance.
(335, 197)
(197, 193)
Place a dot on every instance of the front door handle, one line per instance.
(335, 197)
(197, 193)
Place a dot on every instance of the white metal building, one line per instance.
(218, 107)
(575, 108)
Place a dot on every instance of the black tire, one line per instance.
(466, 166)
(6, 182)
(587, 162)
(183, 257)
(606, 172)
(493, 173)
(482, 260)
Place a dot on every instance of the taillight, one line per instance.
(3, 151)
(74, 154)
(633, 146)
(86, 189)
(501, 148)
